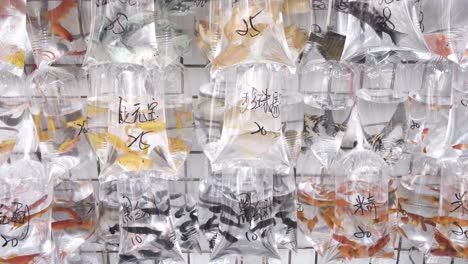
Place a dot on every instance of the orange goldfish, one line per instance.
(231, 56)
(72, 224)
(344, 240)
(424, 134)
(314, 202)
(439, 43)
(177, 145)
(351, 252)
(445, 246)
(460, 146)
(328, 216)
(6, 146)
(179, 114)
(134, 162)
(379, 245)
(59, 13)
(18, 259)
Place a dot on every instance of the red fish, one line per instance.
(57, 14)
(381, 243)
(460, 146)
(19, 259)
(440, 44)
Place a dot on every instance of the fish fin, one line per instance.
(396, 36)
(62, 32)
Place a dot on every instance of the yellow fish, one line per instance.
(295, 36)
(177, 145)
(7, 145)
(118, 143)
(97, 140)
(134, 162)
(78, 123)
(16, 59)
(51, 125)
(68, 145)
(153, 126)
(180, 123)
(95, 110)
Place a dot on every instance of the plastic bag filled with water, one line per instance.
(362, 228)
(450, 240)
(239, 32)
(252, 129)
(376, 26)
(146, 227)
(284, 210)
(246, 222)
(137, 127)
(456, 137)
(429, 109)
(443, 24)
(418, 202)
(329, 29)
(13, 36)
(26, 199)
(55, 31)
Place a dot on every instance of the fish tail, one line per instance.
(396, 36)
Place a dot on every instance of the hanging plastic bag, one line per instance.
(444, 27)
(178, 111)
(25, 213)
(55, 31)
(456, 136)
(13, 36)
(429, 108)
(123, 32)
(382, 106)
(376, 26)
(362, 229)
(75, 211)
(246, 222)
(450, 239)
(185, 215)
(418, 202)
(147, 231)
(210, 107)
(252, 130)
(136, 124)
(329, 30)
(297, 22)
(329, 100)
(284, 210)
(316, 202)
(242, 32)
(60, 120)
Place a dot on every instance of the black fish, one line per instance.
(209, 224)
(330, 46)
(114, 229)
(263, 224)
(141, 230)
(228, 236)
(378, 22)
(157, 211)
(227, 221)
(222, 208)
(175, 196)
(167, 243)
(286, 220)
(194, 215)
(184, 227)
(148, 254)
(179, 213)
(126, 258)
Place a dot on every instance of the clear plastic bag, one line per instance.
(13, 113)
(147, 231)
(362, 229)
(284, 210)
(418, 202)
(429, 109)
(26, 195)
(184, 212)
(329, 31)
(13, 36)
(240, 32)
(443, 24)
(329, 98)
(450, 240)
(376, 26)
(75, 211)
(137, 124)
(55, 31)
(246, 220)
(252, 130)
(456, 136)
(139, 32)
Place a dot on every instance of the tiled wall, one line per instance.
(194, 76)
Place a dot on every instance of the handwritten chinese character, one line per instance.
(141, 144)
(268, 102)
(138, 115)
(459, 202)
(364, 203)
